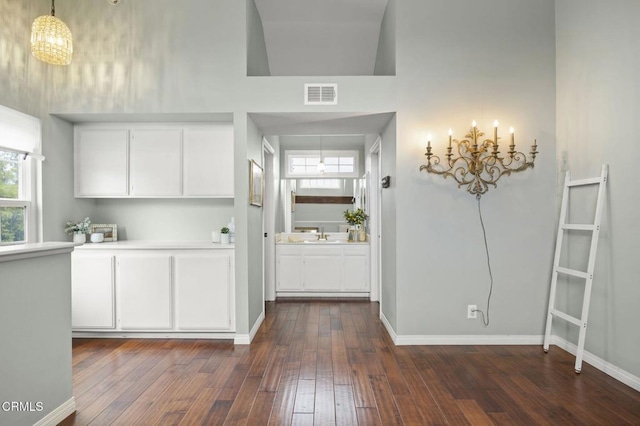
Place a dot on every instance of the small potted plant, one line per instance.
(78, 229)
(224, 235)
(356, 218)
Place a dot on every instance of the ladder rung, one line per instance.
(566, 317)
(573, 272)
(579, 227)
(589, 181)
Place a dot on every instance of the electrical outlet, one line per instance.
(472, 311)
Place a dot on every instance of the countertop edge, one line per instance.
(31, 250)
(316, 244)
(155, 245)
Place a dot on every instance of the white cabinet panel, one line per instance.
(322, 269)
(319, 268)
(208, 161)
(355, 271)
(156, 162)
(92, 291)
(203, 286)
(289, 273)
(101, 162)
(144, 291)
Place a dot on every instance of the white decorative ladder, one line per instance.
(581, 322)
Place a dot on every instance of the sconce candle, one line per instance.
(478, 163)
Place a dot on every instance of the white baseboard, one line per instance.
(59, 414)
(245, 339)
(407, 340)
(327, 294)
(387, 325)
(151, 335)
(597, 362)
(486, 339)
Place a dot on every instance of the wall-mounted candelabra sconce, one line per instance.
(478, 163)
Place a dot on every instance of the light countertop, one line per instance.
(25, 251)
(322, 243)
(155, 245)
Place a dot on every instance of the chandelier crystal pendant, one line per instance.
(51, 39)
(478, 163)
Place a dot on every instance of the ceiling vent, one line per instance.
(321, 94)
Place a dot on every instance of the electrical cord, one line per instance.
(486, 247)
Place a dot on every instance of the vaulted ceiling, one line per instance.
(321, 37)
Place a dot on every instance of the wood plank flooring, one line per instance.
(332, 363)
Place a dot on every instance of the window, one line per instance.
(14, 204)
(19, 134)
(321, 183)
(305, 163)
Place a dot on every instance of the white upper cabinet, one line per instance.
(101, 162)
(152, 160)
(208, 161)
(156, 162)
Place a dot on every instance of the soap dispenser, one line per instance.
(232, 230)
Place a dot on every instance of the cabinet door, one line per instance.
(101, 162)
(289, 268)
(322, 269)
(208, 161)
(144, 291)
(156, 162)
(355, 269)
(92, 291)
(203, 288)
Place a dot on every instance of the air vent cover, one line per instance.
(320, 94)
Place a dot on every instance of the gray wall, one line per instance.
(164, 219)
(254, 230)
(257, 59)
(458, 61)
(598, 98)
(386, 56)
(35, 313)
(388, 297)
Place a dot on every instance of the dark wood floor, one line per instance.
(333, 363)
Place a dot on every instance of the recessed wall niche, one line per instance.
(321, 38)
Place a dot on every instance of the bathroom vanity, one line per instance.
(309, 267)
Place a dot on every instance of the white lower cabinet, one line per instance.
(289, 268)
(166, 291)
(144, 291)
(318, 268)
(93, 291)
(355, 270)
(203, 291)
(322, 268)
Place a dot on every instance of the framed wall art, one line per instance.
(109, 230)
(256, 184)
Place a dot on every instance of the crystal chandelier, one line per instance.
(51, 39)
(478, 163)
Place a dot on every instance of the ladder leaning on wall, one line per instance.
(594, 228)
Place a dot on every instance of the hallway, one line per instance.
(332, 362)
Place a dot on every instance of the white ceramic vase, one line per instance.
(80, 238)
(224, 238)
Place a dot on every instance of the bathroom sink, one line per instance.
(322, 242)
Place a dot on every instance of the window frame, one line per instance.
(288, 154)
(26, 194)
